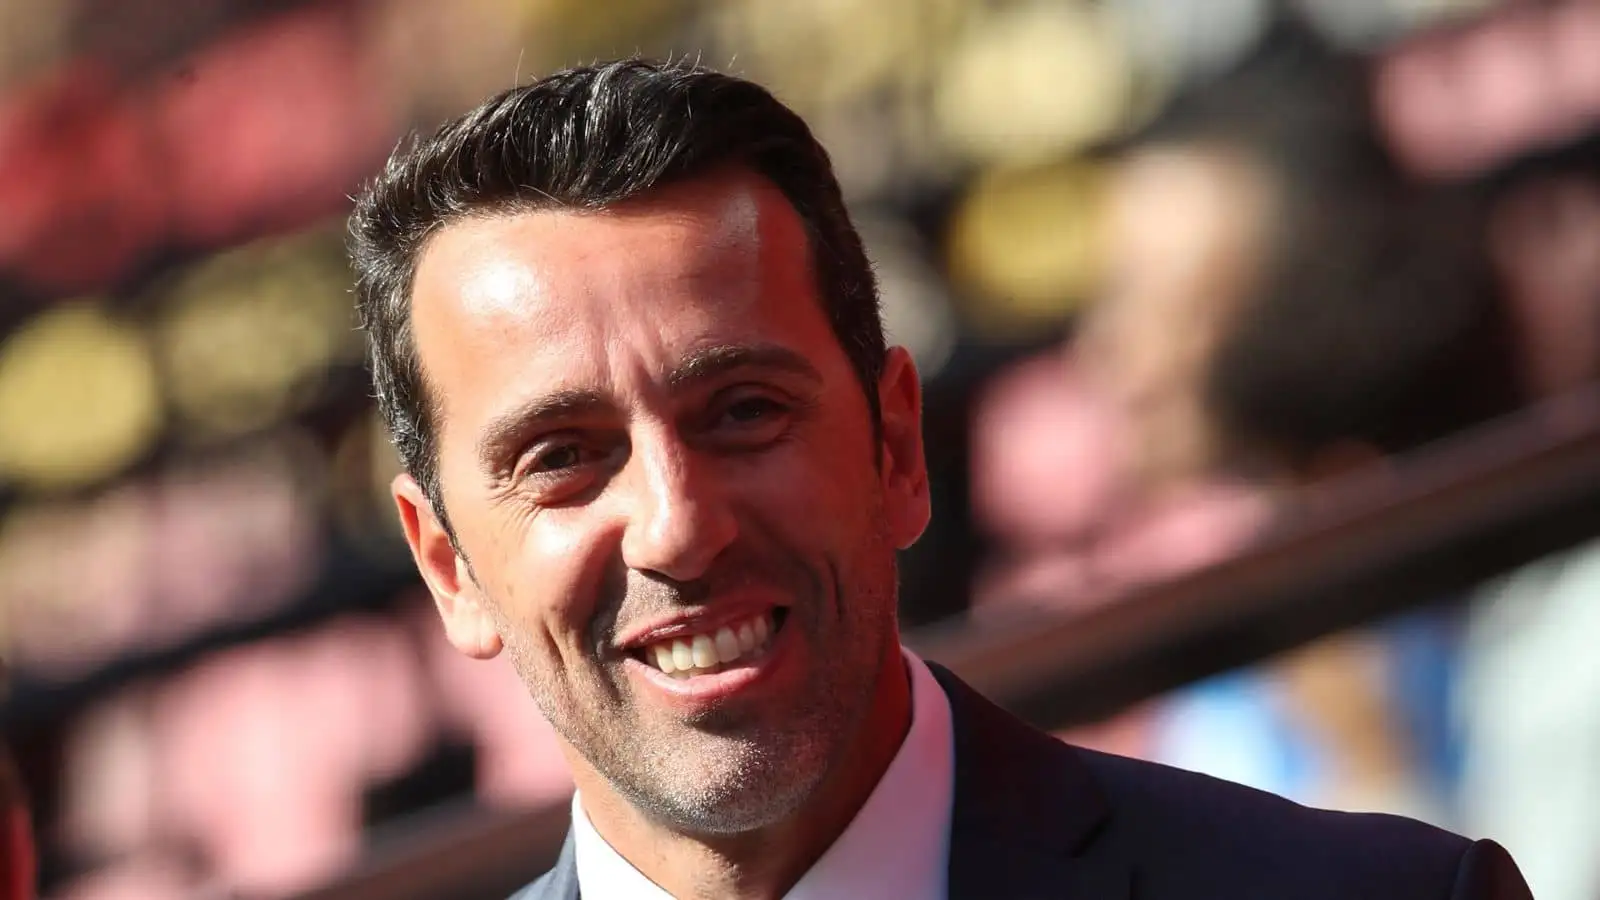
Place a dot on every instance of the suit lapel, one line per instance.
(1026, 813)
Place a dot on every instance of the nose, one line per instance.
(679, 519)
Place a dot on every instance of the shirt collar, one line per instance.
(897, 845)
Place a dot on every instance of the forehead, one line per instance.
(509, 305)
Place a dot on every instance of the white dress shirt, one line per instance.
(896, 847)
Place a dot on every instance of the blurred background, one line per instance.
(1176, 272)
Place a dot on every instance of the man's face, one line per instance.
(656, 456)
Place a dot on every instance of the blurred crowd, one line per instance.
(1305, 280)
(1172, 269)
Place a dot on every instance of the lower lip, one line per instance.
(703, 691)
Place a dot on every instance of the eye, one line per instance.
(745, 420)
(561, 461)
(747, 410)
(554, 459)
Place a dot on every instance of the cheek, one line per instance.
(547, 579)
(817, 490)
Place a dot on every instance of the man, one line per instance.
(628, 344)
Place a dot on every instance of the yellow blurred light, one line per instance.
(364, 463)
(32, 35)
(827, 52)
(245, 337)
(1024, 244)
(78, 398)
(1033, 82)
(575, 32)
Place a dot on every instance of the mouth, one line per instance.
(730, 646)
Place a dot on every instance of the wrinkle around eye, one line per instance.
(563, 484)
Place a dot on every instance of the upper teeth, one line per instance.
(699, 654)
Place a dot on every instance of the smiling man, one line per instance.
(658, 452)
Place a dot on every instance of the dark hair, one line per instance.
(1375, 317)
(584, 139)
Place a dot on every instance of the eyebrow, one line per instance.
(505, 434)
(709, 363)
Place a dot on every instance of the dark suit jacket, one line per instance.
(1035, 818)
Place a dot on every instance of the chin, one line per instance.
(734, 791)
(744, 811)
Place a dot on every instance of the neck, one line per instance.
(762, 864)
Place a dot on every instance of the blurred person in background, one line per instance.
(1309, 310)
(1282, 305)
(1514, 100)
(1282, 302)
(1490, 300)
(633, 361)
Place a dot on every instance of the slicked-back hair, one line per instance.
(585, 139)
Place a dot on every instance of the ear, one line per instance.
(467, 622)
(903, 468)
